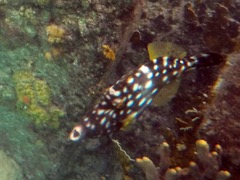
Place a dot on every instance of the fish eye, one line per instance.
(76, 133)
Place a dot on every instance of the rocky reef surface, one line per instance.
(9, 168)
(57, 57)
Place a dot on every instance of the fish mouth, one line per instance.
(77, 133)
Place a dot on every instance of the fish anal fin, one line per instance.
(166, 93)
(127, 121)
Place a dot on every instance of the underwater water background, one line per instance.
(58, 56)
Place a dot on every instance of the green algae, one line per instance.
(22, 144)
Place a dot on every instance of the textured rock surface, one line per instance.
(222, 117)
(9, 169)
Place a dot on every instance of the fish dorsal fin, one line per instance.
(159, 49)
(166, 93)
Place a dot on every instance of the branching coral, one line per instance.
(148, 168)
(207, 165)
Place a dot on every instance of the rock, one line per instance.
(9, 168)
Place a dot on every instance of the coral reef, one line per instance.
(51, 56)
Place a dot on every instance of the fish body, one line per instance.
(128, 97)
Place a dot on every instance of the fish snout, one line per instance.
(77, 133)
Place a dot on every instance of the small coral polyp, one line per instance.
(108, 52)
(35, 98)
(55, 33)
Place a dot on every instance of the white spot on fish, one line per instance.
(130, 80)
(88, 124)
(134, 114)
(189, 64)
(183, 68)
(121, 112)
(114, 92)
(85, 119)
(135, 87)
(116, 101)
(143, 100)
(139, 95)
(155, 61)
(107, 111)
(103, 103)
(164, 71)
(111, 112)
(114, 115)
(175, 73)
(175, 63)
(150, 75)
(125, 89)
(165, 61)
(204, 55)
(181, 61)
(108, 97)
(92, 126)
(130, 96)
(144, 69)
(138, 74)
(194, 58)
(157, 74)
(103, 120)
(129, 111)
(100, 111)
(165, 78)
(155, 67)
(148, 84)
(130, 103)
(149, 101)
(107, 125)
(155, 91)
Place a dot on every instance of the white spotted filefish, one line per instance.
(128, 97)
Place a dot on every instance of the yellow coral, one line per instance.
(39, 115)
(48, 56)
(35, 95)
(55, 33)
(53, 53)
(42, 92)
(108, 52)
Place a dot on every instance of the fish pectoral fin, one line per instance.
(166, 93)
(159, 49)
(127, 121)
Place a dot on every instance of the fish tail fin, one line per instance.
(207, 59)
